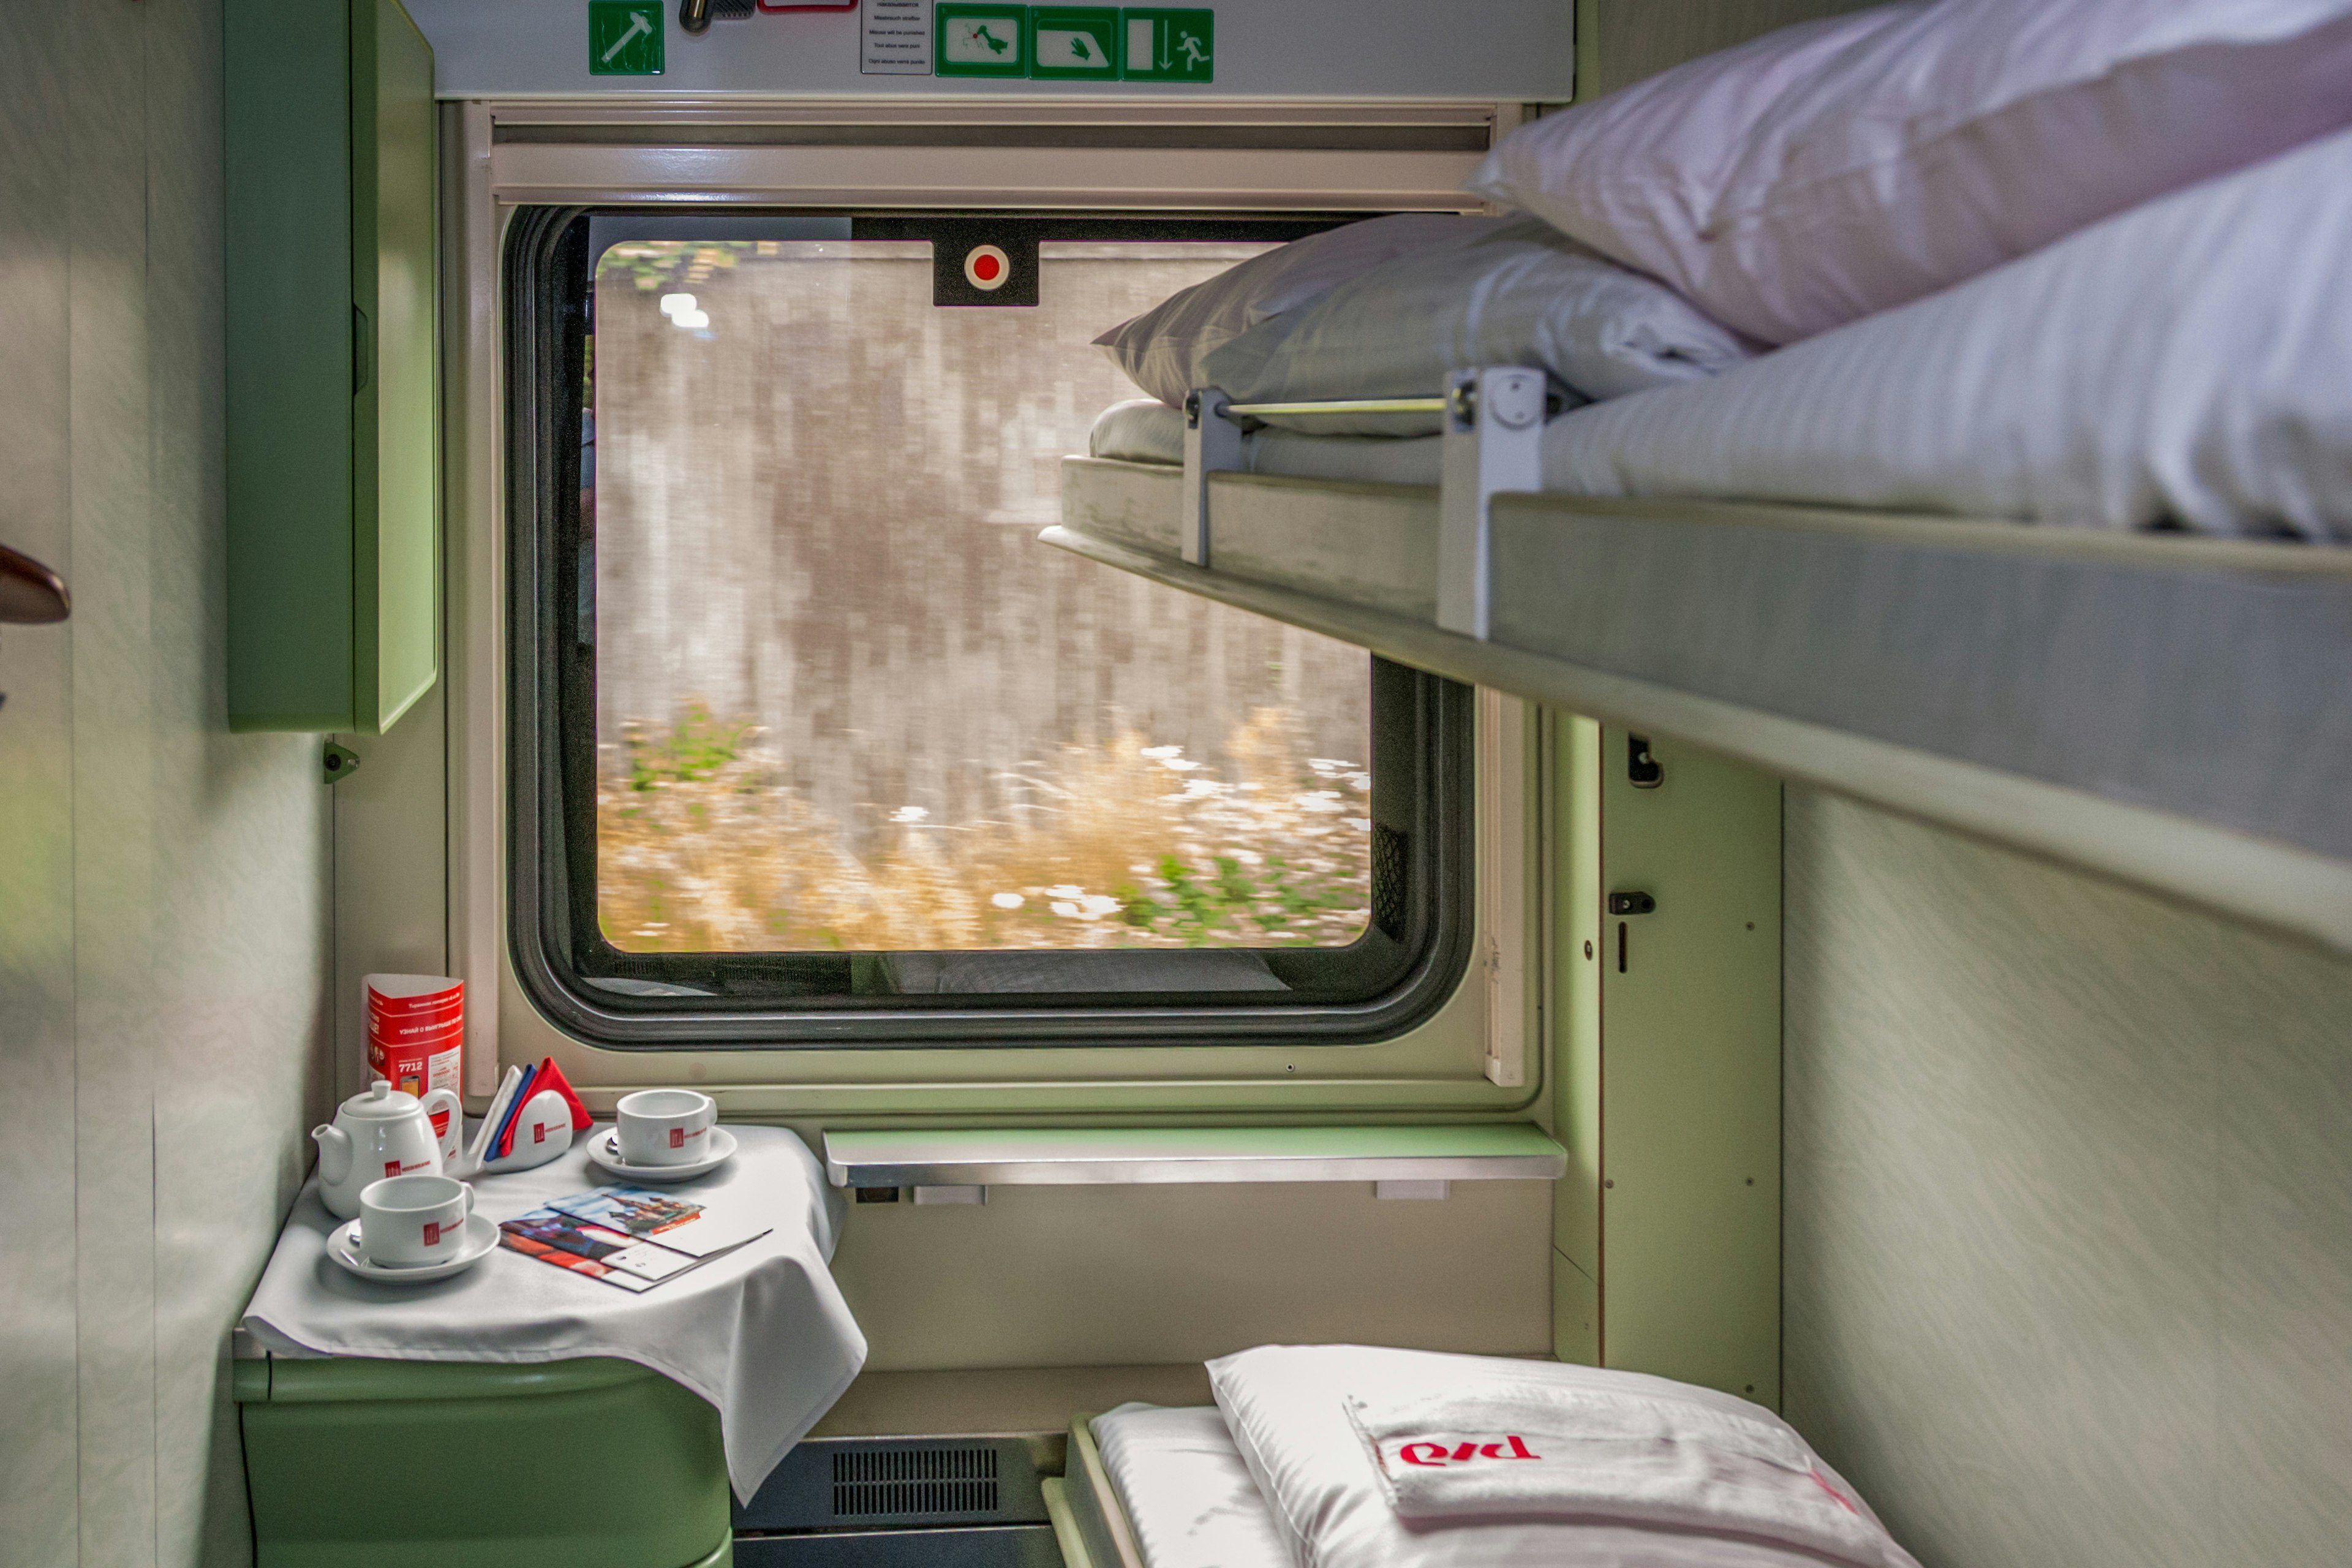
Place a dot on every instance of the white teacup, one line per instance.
(407, 1221)
(665, 1126)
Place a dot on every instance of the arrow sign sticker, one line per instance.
(1169, 45)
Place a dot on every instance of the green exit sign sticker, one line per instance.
(1073, 43)
(980, 39)
(1170, 46)
(625, 37)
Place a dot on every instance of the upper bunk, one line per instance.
(2164, 708)
(1876, 403)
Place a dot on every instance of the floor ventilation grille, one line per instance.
(898, 1483)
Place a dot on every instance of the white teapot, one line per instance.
(383, 1132)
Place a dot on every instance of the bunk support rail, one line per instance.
(1492, 423)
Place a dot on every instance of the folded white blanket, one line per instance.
(1291, 1411)
(1523, 1451)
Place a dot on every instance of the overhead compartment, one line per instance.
(333, 452)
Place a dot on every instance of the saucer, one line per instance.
(481, 1239)
(605, 1148)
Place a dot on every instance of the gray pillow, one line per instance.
(1518, 292)
(1161, 349)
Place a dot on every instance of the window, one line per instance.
(814, 742)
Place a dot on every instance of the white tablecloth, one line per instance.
(762, 1333)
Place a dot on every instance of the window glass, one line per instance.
(843, 700)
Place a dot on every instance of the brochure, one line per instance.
(629, 1237)
(676, 1221)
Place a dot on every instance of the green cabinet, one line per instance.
(358, 1463)
(335, 555)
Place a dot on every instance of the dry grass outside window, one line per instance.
(701, 848)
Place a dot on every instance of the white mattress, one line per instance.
(1148, 432)
(1189, 1499)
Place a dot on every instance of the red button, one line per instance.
(986, 268)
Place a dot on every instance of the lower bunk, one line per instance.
(1323, 1456)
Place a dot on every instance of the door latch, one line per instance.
(1628, 904)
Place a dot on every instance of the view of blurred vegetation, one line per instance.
(703, 848)
(845, 699)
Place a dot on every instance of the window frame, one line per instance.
(548, 276)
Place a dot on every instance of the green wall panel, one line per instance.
(1666, 1231)
(333, 489)
(1690, 1073)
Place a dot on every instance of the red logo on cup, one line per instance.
(678, 1137)
(392, 1167)
(432, 1233)
(538, 1132)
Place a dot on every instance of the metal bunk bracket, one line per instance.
(1212, 445)
(1492, 443)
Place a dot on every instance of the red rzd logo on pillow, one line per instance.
(1439, 1456)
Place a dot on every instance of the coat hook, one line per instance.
(30, 593)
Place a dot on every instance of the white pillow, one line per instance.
(1161, 349)
(1520, 293)
(2188, 363)
(1843, 167)
(1285, 1407)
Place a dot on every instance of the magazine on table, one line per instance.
(630, 1238)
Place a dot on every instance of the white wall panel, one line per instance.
(164, 885)
(38, 1514)
(2069, 1208)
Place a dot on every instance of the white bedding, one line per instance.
(1190, 1501)
(2181, 365)
(1517, 294)
(1283, 1405)
(1187, 1495)
(2184, 363)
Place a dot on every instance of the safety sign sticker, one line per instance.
(1170, 46)
(625, 37)
(1066, 41)
(897, 39)
(982, 40)
(1046, 43)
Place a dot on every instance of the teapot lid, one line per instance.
(382, 1103)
